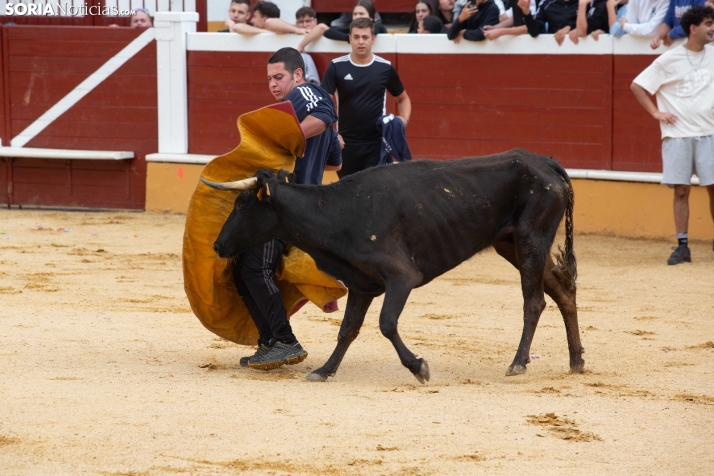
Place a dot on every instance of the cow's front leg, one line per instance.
(395, 298)
(357, 305)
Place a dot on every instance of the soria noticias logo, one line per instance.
(23, 9)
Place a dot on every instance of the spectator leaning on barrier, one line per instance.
(642, 17)
(558, 17)
(306, 18)
(422, 9)
(472, 19)
(670, 29)
(513, 25)
(592, 18)
(237, 21)
(266, 15)
(683, 81)
(141, 19)
(254, 270)
(616, 12)
(362, 9)
(361, 81)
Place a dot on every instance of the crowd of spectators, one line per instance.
(479, 20)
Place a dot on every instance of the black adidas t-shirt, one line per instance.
(361, 95)
(323, 149)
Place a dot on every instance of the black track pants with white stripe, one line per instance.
(254, 278)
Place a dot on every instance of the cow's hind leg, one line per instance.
(395, 297)
(563, 294)
(531, 254)
(357, 305)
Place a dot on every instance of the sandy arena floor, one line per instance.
(106, 371)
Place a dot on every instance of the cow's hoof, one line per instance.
(423, 374)
(577, 367)
(315, 377)
(515, 370)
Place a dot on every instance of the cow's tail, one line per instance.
(566, 265)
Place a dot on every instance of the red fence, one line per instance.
(40, 66)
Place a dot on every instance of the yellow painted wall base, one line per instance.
(638, 210)
(641, 210)
(169, 186)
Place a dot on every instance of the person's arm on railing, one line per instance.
(276, 25)
(534, 25)
(313, 35)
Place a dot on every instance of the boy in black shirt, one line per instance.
(254, 271)
(361, 80)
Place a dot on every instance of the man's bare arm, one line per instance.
(276, 25)
(644, 98)
(312, 126)
(662, 32)
(312, 35)
(333, 168)
(404, 104)
(581, 25)
(245, 29)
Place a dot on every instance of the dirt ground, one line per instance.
(106, 371)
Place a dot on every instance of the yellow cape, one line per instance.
(270, 138)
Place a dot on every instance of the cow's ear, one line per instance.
(264, 193)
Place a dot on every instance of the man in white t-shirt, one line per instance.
(682, 79)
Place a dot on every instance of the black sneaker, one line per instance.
(262, 350)
(277, 356)
(680, 254)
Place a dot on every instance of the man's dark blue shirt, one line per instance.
(323, 149)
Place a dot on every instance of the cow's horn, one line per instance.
(237, 185)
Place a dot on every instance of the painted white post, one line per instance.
(171, 75)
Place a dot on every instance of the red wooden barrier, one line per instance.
(466, 105)
(222, 86)
(577, 108)
(635, 134)
(41, 65)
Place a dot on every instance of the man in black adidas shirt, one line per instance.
(254, 271)
(361, 80)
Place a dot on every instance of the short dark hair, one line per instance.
(267, 9)
(290, 57)
(241, 2)
(433, 24)
(368, 5)
(695, 16)
(362, 23)
(305, 12)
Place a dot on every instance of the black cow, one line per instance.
(394, 228)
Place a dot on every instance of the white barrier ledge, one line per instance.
(32, 153)
(270, 43)
(645, 177)
(430, 44)
(180, 158)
